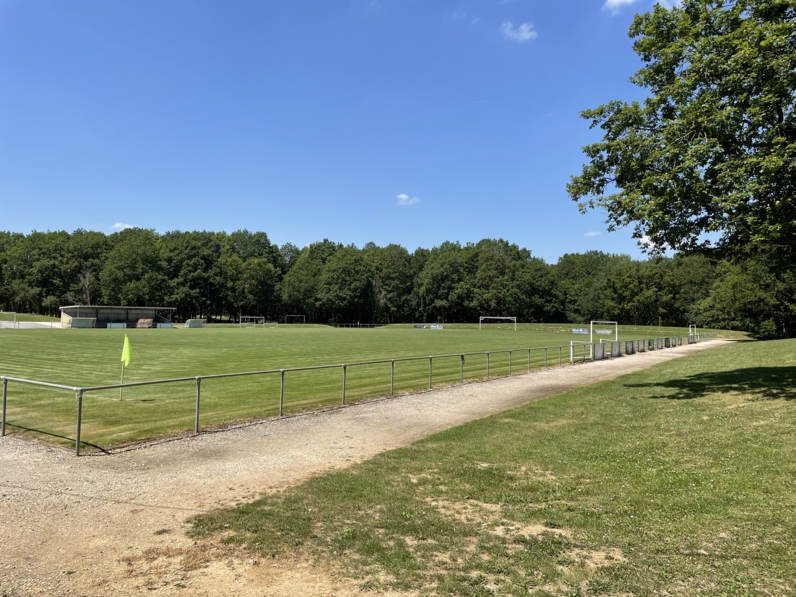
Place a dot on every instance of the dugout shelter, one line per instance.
(103, 316)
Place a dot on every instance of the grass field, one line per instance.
(677, 480)
(91, 357)
(27, 317)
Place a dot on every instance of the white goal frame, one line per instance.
(251, 321)
(613, 323)
(303, 318)
(481, 319)
(692, 329)
(574, 343)
(14, 323)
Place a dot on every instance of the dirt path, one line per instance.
(87, 526)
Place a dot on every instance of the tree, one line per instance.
(713, 148)
(259, 287)
(290, 253)
(584, 282)
(133, 272)
(300, 284)
(751, 295)
(344, 291)
(439, 294)
(637, 293)
(392, 281)
(195, 280)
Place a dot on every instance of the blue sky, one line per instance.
(358, 120)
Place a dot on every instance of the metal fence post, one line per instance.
(545, 357)
(281, 392)
(430, 371)
(487, 365)
(509, 362)
(392, 377)
(198, 395)
(559, 356)
(345, 368)
(79, 395)
(5, 400)
(529, 360)
(461, 370)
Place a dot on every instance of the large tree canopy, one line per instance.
(713, 147)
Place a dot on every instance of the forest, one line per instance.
(220, 275)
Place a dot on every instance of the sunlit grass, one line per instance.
(678, 479)
(83, 358)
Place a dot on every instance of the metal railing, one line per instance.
(550, 356)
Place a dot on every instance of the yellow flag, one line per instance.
(127, 352)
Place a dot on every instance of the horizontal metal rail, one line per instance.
(46, 384)
(274, 371)
(290, 369)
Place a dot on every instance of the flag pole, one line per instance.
(127, 355)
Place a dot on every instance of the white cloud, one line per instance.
(593, 234)
(404, 199)
(521, 34)
(615, 5)
(121, 226)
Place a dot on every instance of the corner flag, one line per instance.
(127, 352)
(127, 356)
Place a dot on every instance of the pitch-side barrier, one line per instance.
(548, 356)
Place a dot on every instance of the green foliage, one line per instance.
(345, 287)
(217, 275)
(751, 296)
(673, 480)
(713, 147)
(133, 273)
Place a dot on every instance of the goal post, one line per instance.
(251, 321)
(603, 331)
(574, 343)
(295, 319)
(486, 317)
(9, 317)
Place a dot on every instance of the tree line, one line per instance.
(220, 275)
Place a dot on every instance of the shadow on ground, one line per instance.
(764, 383)
(71, 440)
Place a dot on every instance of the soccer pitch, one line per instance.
(92, 357)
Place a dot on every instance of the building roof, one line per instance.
(118, 307)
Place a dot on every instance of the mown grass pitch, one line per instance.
(92, 357)
(675, 480)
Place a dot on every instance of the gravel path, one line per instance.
(86, 526)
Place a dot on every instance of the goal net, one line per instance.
(251, 321)
(512, 321)
(295, 319)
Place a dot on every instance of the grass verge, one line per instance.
(675, 480)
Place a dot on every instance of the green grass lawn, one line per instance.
(27, 317)
(677, 480)
(91, 357)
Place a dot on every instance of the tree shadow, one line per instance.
(764, 383)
